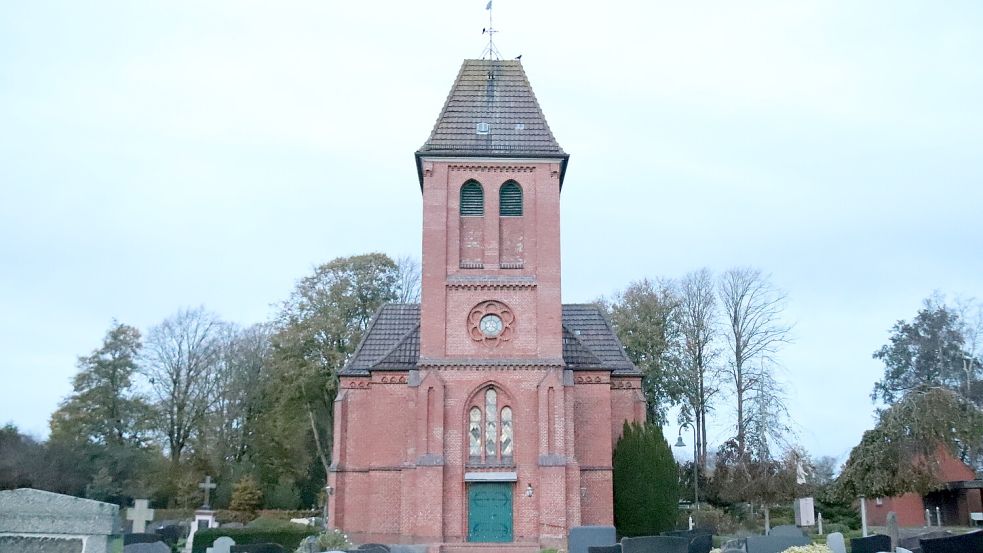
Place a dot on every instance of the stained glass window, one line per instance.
(506, 432)
(491, 424)
(474, 432)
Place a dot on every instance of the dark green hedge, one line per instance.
(289, 538)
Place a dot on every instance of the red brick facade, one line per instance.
(954, 506)
(402, 447)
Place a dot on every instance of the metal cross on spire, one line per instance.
(490, 52)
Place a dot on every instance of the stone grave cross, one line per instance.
(208, 486)
(140, 515)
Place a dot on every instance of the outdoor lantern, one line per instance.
(528, 490)
(680, 442)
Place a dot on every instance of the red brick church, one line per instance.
(488, 412)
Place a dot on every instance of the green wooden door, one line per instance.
(490, 512)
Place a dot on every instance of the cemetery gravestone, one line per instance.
(836, 543)
(38, 521)
(604, 549)
(156, 547)
(773, 544)
(582, 537)
(965, 543)
(258, 548)
(141, 538)
(221, 545)
(786, 530)
(914, 542)
(140, 514)
(660, 544)
(892, 528)
(871, 544)
(170, 533)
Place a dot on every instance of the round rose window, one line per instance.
(491, 322)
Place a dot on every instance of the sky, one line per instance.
(162, 155)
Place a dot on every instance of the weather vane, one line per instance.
(490, 52)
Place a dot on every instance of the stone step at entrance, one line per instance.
(490, 548)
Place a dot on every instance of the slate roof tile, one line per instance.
(495, 92)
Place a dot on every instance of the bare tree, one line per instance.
(698, 322)
(408, 286)
(753, 331)
(181, 357)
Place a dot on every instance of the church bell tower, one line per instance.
(491, 174)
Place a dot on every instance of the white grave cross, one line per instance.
(208, 486)
(140, 514)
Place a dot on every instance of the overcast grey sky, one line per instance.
(158, 155)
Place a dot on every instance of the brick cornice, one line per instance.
(490, 364)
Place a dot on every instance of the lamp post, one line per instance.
(696, 474)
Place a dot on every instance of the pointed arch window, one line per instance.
(472, 200)
(510, 200)
(491, 435)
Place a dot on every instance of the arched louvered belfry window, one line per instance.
(510, 200)
(472, 200)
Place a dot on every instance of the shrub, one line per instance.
(289, 535)
(246, 495)
(713, 519)
(646, 482)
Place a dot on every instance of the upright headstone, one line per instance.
(871, 544)
(140, 514)
(892, 528)
(773, 544)
(156, 547)
(786, 530)
(819, 522)
(221, 545)
(836, 543)
(582, 537)
(39, 521)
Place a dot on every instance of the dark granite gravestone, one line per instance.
(966, 543)
(616, 548)
(734, 545)
(38, 544)
(655, 544)
(373, 548)
(140, 538)
(913, 543)
(871, 544)
(171, 533)
(582, 537)
(156, 547)
(700, 540)
(773, 544)
(258, 548)
(786, 530)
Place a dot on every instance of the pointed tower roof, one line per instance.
(491, 111)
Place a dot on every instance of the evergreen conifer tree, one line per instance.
(646, 482)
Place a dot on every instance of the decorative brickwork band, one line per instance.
(493, 168)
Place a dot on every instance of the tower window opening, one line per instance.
(472, 200)
(510, 200)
